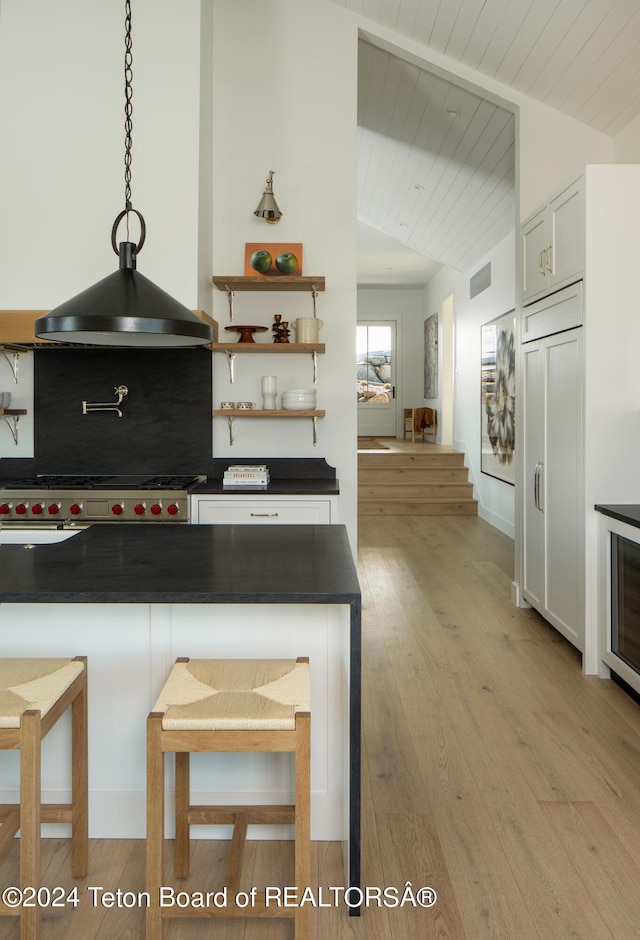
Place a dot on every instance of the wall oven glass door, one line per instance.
(620, 611)
(625, 600)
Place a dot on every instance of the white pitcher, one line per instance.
(307, 329)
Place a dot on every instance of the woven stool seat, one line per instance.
(240, 694)
(227, 705)
(33, 684)
(34, 693)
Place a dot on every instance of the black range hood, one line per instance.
(124, 309)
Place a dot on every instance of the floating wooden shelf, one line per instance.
(259, 347)
(232, 413)
(11, 412)
(284, 282)
(232, 348)
(259, 413)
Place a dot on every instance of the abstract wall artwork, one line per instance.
(431, 356)
(498, 397)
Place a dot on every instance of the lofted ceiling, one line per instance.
(581, 57)
(436, 162)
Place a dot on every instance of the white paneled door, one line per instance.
(553, 567)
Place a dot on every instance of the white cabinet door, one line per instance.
(553, 244)
(565, 259)
(553, 557)
(535, 242)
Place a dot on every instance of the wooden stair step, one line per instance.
(412, 474)
(417, 507)
(397, 460)
(400, 489)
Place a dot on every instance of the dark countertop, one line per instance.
(274, 488)
(185, 564)
(624, 513)
(288, 476)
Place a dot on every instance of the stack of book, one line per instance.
(255, 476)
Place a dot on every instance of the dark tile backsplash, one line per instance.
(166, 425)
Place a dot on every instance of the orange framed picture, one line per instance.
(272, 258)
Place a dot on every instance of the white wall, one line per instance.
(495, 498)
(61, 163)
(285, 83)
(552, 151)
(626, 144)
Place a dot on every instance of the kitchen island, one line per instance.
(134, 597)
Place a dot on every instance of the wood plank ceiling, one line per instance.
(581, 57)
(436, 163)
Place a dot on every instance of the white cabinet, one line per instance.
(553, 523)
(250, 509)
(553, 244)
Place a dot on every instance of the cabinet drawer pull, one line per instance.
(541, 263)
(264, 515)
(547, 257)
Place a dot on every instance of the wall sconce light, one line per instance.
(268, 207)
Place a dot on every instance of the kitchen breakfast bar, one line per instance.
(133, 598)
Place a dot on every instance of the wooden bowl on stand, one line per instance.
(246, 332)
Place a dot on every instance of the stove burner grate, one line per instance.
(93, 481)
(50, 481)
(169, 482)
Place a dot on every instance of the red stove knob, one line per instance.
(156, 509)
(21, 508)
(5, 508)
(173, 509)
(75, 509)
(139, 509)
(37, 508)
(53, 509)
(117, 509)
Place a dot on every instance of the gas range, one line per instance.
(62, 499)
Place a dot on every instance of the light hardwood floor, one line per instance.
(494, 771)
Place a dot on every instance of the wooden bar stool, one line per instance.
(228, 705)
(34, 693)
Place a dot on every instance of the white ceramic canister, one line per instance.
(307, 329)
(269, 389)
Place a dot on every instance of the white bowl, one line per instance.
(307, 399)
(298, 405)
(300, 393)
(5, 399)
